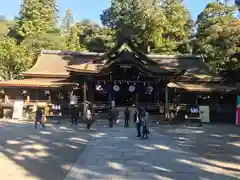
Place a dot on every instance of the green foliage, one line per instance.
(44, 40)
(178, 28)
(14, 59)
(94, 38)
(36, 16)
(164, 24)
(218, 35)
(73, 40)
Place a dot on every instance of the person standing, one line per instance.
(145, 130)
(39, 117)
(110, 117)
(137, 120)
(73, 114)
(126, 117)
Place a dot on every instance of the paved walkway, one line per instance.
(118, 154)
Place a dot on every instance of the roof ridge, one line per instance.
(174, 56)
(59, 52)
(152, 55)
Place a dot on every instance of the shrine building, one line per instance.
(123, 74)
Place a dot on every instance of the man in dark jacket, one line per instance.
(39, 117)
(137, 120)
(126, 117)
(73, 114)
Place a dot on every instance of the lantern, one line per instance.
(131, 88)
(116, 88)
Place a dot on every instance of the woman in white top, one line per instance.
(89, 118)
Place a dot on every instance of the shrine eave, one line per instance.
(44, 75)
(36, 83)
(207, 87)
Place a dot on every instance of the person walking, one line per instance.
(126, 117)
(137, 120)
(89, 118)
(39, 117)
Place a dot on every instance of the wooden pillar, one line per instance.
(166, 114)
(6, 99)
(37, 95)
(84, 96)
(110, 94)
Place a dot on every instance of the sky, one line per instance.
(89, 9)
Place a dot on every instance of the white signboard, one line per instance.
(204, 114)
(18, 109)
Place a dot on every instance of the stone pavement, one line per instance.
(118, 154)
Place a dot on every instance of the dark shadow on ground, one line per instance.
(43, 153)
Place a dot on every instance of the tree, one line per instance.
(73, 40)
(14, 59)
(218, 35)
(95, 38)
(67, 21)
(36, 16)
(161, 24)
(37, 42)
(141, 19)
(178, 27)
(100, 40)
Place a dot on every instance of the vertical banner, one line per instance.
(238, 111)
(18, 109)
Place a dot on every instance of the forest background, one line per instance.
(156, 26)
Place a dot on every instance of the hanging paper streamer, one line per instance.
(131, 88)
(149, 90)
(116, 88)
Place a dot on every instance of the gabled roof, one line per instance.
(118, 49)
(53, 63)
(58, 63)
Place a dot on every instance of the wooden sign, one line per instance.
(125, 66)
